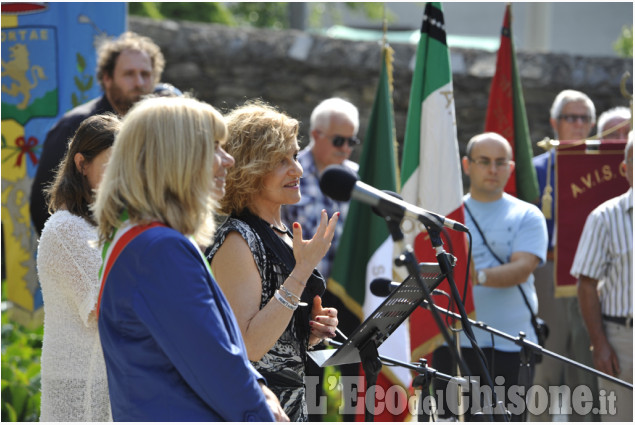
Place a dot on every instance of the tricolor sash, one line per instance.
(111, 250)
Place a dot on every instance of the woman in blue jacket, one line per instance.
(172, 347)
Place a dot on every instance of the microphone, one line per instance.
(381, 287)
(339, 183)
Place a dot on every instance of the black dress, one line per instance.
(283, 365)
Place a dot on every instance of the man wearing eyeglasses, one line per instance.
(572, 118)
(333, 136)
(511, 241)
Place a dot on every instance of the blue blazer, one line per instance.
(172, 347)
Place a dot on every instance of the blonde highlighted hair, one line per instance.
(259, 137)
(162, 168)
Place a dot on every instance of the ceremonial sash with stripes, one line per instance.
(123, 236)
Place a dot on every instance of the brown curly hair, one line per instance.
(109, 51)
(259, 138)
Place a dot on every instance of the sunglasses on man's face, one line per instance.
(338, 141)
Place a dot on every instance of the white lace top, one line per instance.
(74, 383)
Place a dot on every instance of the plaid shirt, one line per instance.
(307, 211)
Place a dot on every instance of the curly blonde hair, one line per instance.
(162, 168)
(259, 138)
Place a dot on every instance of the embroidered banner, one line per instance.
(586, 176)
(48, 67)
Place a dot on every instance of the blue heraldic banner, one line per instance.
(48, 67)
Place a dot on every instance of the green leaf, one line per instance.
(78, 83)
(89, 84)
(8, 413)
(81, 63)
(74, 100)
(32, 413)
(33, 370)
(19, 398)
(7, 372)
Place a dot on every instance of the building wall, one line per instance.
(295, 71)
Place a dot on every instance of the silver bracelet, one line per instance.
(284, 302)
(289, 294)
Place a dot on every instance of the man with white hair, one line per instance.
(572, 117)
(603, 264)
(616, 123)
(333, 133)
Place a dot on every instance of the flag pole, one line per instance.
(385, 27)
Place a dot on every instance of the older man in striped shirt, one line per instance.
(603, 265)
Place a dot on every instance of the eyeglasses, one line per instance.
(571, 118)
(338, 141)
(486, 162)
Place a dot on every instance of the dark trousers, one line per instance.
(501, 365)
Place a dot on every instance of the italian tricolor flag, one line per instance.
(431, 174)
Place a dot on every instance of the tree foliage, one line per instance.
(256, 14)
(184, 11)
(623, 46)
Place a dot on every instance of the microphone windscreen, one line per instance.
(381, 287)
(337, 182)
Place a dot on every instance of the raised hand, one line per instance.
(308, 253)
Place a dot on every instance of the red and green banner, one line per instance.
(431, 174)
(585, 177)
(506, 116)
(365, 251)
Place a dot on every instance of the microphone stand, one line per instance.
(446, 263)
(525, 344)
(425, 375)
(408, 260)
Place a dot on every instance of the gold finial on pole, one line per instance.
(548, 144)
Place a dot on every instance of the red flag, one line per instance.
(506, 116)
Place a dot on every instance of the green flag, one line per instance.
(364, 231)
(365, 251)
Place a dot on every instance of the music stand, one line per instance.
(362, 344)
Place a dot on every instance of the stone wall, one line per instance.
(295, 70)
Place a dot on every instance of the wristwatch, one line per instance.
(481, 277)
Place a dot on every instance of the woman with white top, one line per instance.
(74, 383)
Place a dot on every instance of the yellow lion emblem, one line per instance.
(17, 69)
